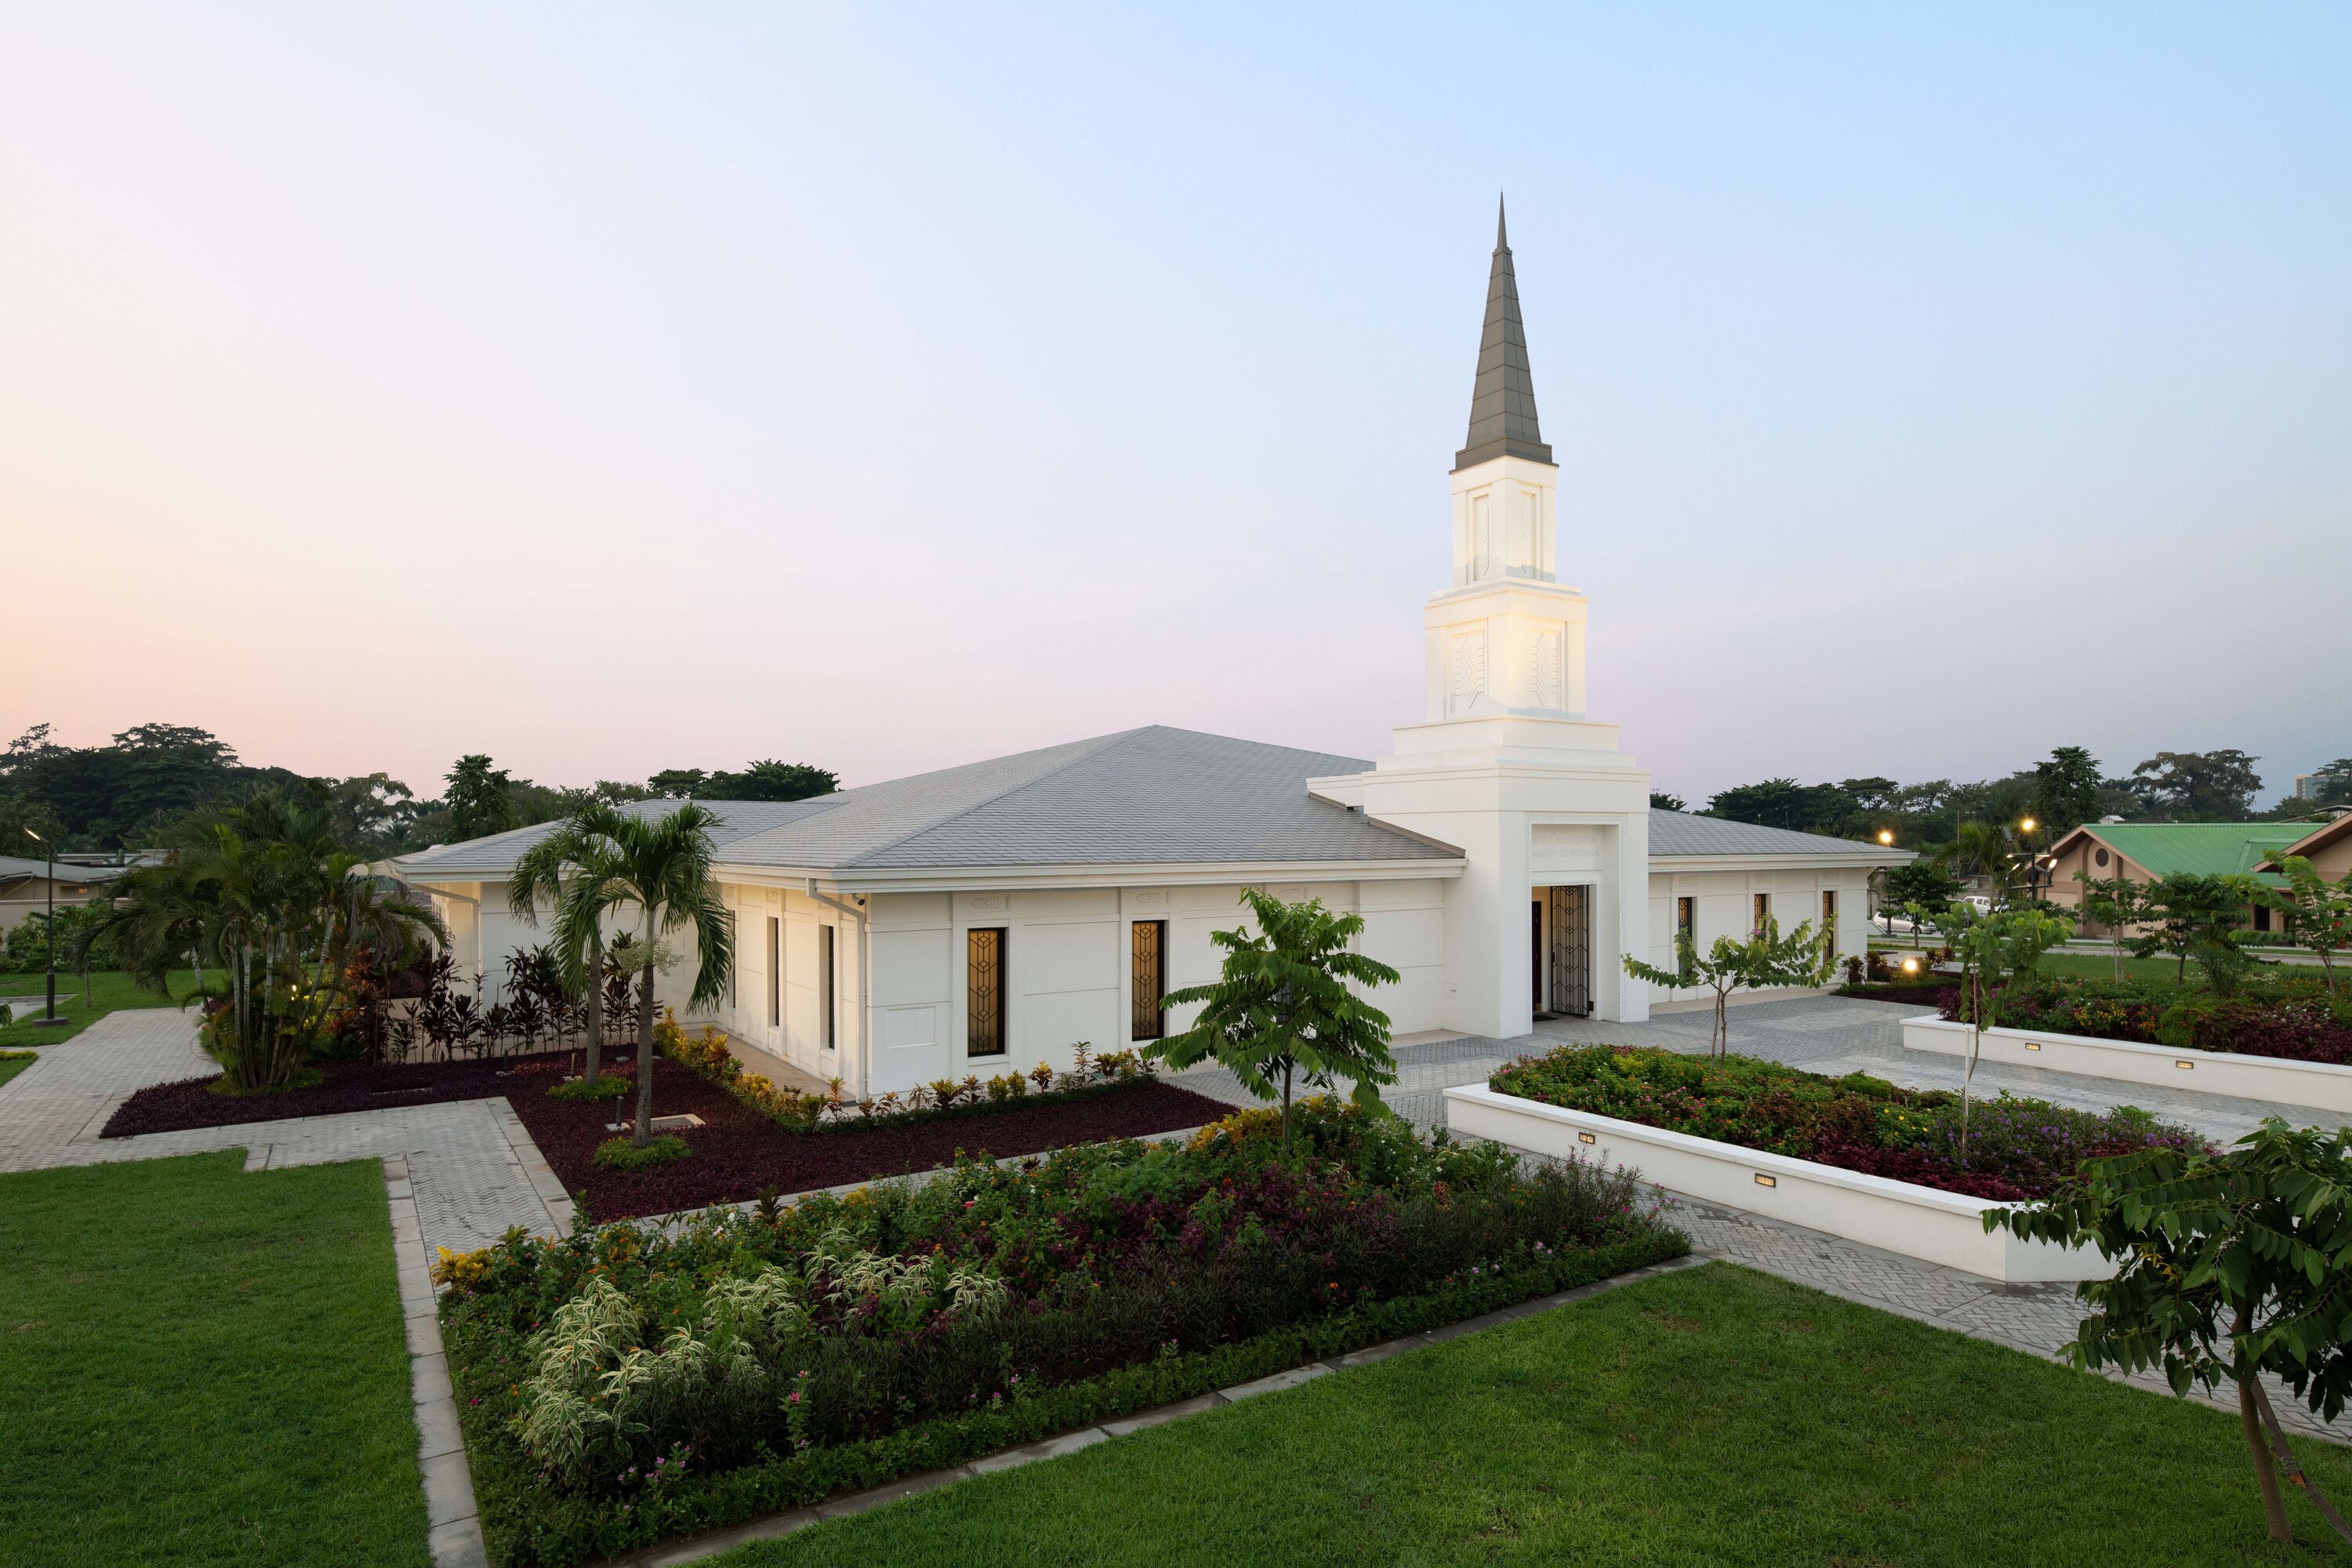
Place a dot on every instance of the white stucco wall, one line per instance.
(1726, 908)
(1068, 970)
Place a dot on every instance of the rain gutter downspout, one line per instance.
(865, 974)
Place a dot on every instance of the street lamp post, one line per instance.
(51, 851)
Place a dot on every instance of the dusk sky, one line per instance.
(613, 389)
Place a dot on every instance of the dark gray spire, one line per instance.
(1503, 403)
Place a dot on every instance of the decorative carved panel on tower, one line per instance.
(1544, 682)
(1469, 680)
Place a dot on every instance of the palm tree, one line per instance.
(263, 891)
(1981, 846)
(661, 867)
(578, 852)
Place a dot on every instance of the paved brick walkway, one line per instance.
(474, 1169)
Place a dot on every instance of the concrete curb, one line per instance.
(773, 1525)
(456, 1532)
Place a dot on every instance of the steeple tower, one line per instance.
(1551, 819)
(1503, 402)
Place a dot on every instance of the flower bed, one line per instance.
(344, 1086)
(1925, 993)
(737, 1153)
(623, 1386)
(2017, 1148)
(706, 1056)
(2290, 1016)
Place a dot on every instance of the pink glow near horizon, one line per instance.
(616, 393)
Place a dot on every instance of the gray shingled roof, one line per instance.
(1503, 400)
(1674, 833)
(1149, 797)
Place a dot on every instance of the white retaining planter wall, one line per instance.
(2318, 1085)
(1900, 1217)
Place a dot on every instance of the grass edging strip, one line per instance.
(524, 1523)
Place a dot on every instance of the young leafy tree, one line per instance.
(2117, 903)
(1286, 1005)
(1995, 952)
(658, 868)
(2318, 912)
(1765, 959)
(577, 851)
(2227, 1265)
(2193, 916)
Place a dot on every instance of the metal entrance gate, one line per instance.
(1568, 914)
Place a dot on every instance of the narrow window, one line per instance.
(1829, 916)
(1147, 944)
(1763, 910)
(2262, 917)
(775, 972)
(984, 991)
(1686, 931)
(824, 986)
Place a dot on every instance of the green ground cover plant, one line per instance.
(109, 991)
(200, 1365)
(1714, 1415)
(630, 1383)
(14, 1062)
(2012, 1148)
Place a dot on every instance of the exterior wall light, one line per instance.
(1584, 1138)
(1764, 1181)
(2033, 1044)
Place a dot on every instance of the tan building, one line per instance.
(2143, 851)
(2328, 848)
(24, 887)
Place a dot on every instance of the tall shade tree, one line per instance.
(481, 798)
(578, 853)
(2065, 790)
(1286, 1005)
(1765, 959)
(659, 867)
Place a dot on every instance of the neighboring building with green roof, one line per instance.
(2143, 851)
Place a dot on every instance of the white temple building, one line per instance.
(1503, 855)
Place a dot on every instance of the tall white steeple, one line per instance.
(1552, 819)
(1505, 638)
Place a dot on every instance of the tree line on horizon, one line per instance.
(2061, 793)
(135, 793)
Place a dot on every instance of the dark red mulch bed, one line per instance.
(737, 1152)
(348, 1086)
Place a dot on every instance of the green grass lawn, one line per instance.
(202, 1366)
(14, 1062)
(1711, 1417)
(109, 990)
